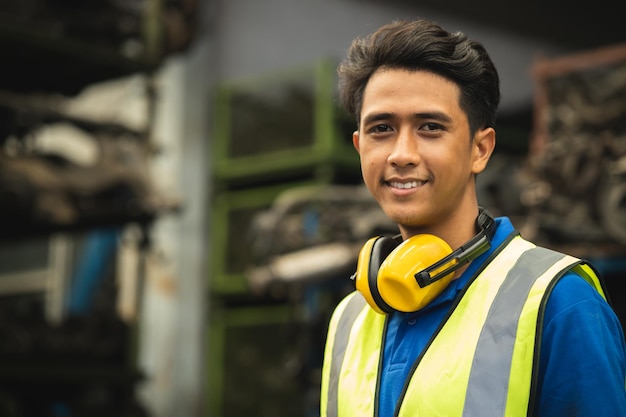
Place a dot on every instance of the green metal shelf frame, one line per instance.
(327, 152)
(221, 319)
(220, 280)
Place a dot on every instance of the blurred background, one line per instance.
(181, 206)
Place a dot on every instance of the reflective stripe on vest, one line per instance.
(467, 370)
(348, 317)
(356, 330)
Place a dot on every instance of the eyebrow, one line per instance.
(434, 115)
(375, 117)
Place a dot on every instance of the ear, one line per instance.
(482, 147)
(355, 140)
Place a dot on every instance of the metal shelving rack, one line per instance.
(271, 134)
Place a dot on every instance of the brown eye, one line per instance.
(381, 129)
(431, 126)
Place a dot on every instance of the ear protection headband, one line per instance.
(395, 275)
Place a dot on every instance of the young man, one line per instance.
(500, 327)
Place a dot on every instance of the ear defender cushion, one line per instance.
(371, 256)
(396, 276)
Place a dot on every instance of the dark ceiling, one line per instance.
(574, 25)
(62, 50)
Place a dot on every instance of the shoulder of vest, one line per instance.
(566, 262)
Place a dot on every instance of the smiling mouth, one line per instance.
(406, 185)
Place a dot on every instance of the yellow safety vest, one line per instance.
(479, 364)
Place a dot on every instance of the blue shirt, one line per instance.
(582, 365)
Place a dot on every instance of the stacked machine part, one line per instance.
(576, 173)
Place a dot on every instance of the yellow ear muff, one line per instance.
(396, 276)
(386, 272)
(372, 254)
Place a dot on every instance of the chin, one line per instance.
(404, 219)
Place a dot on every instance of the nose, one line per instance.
(405, 150)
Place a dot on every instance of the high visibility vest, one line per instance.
(479, 364)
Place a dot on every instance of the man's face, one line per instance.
(417, 157)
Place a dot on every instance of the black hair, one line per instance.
(424, 45)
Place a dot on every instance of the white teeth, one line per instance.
(402, 185)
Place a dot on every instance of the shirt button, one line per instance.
(411, 322)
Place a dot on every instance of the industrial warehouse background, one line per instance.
(182, 206)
